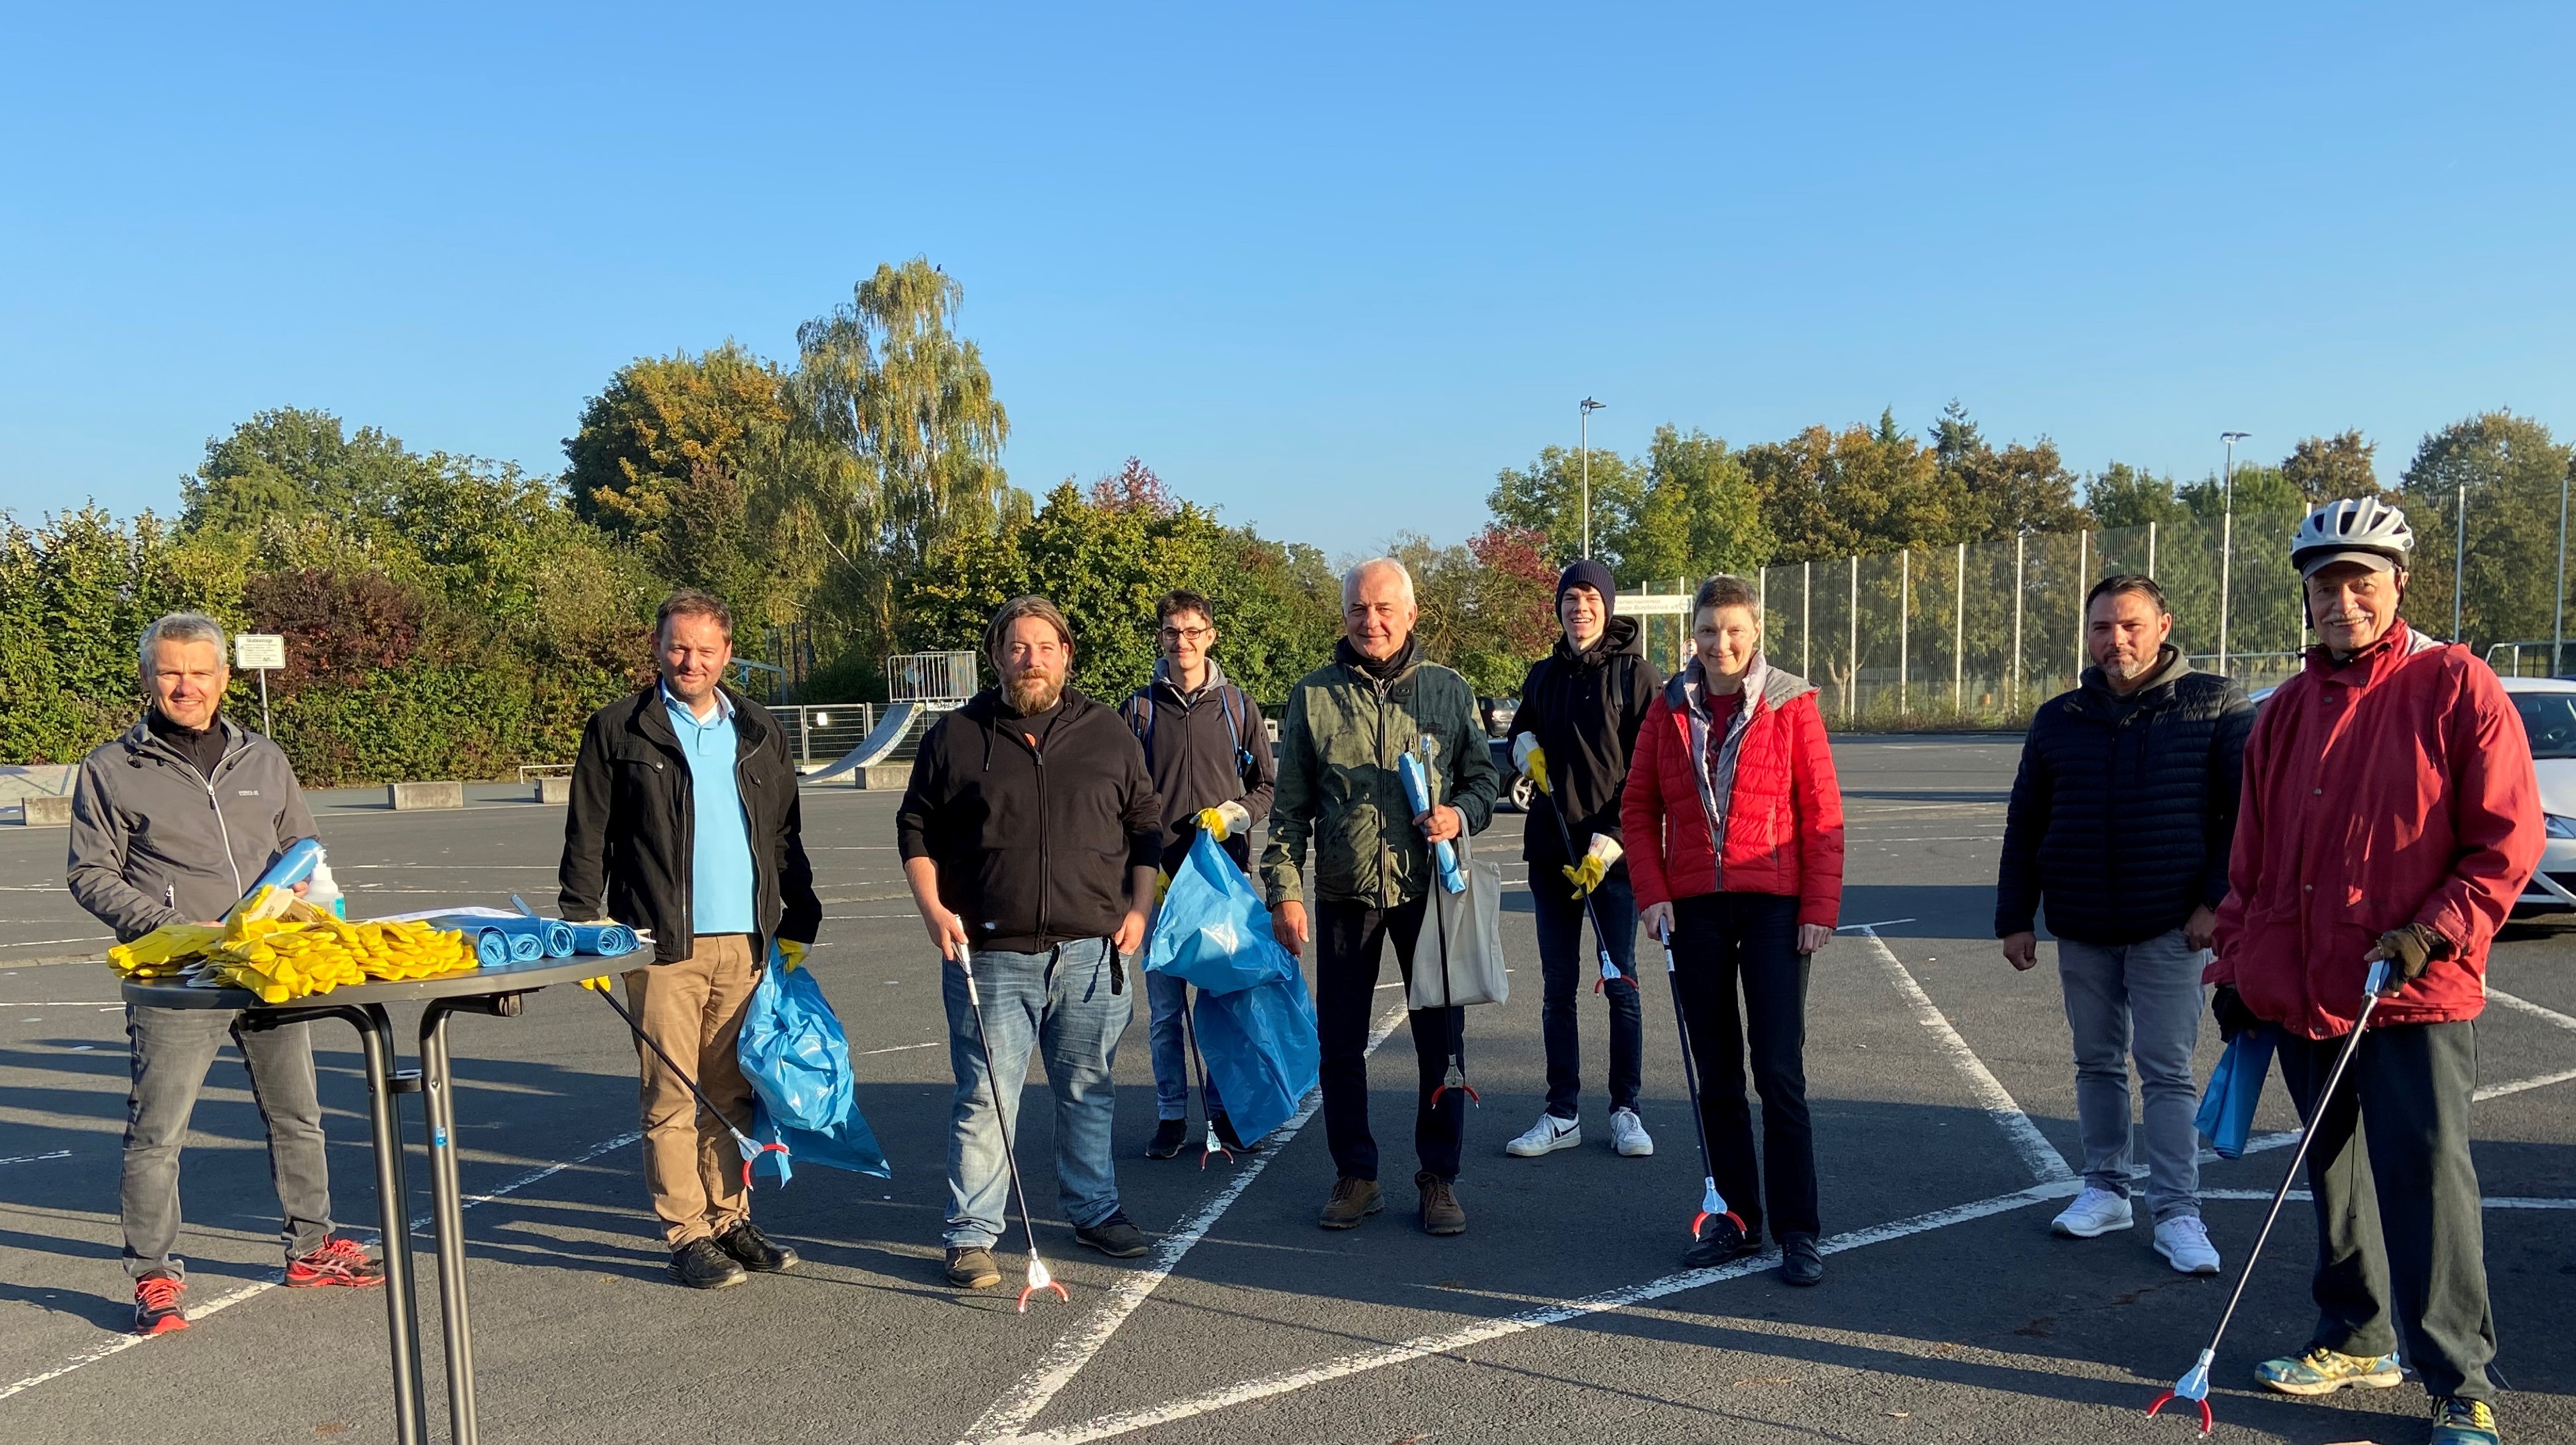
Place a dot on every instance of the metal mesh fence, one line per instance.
(1983, 631)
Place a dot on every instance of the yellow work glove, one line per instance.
(1163, 882)
(1224, 820)
(1531, 759)
(1595, 865)
(599, 984)
(791, 953)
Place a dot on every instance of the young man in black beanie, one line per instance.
(1580, 709)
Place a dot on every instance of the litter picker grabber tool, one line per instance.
(1415, 774)
(1209, 1144)
(1038, 1277)
(1712, 1205)
(2194, 1385)
(751, 1148)
(1600, 941)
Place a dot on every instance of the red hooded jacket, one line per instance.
(1781, 808)
(2394, 789)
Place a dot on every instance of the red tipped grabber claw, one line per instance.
(1211, 1145)
(1712, 1205)
(1610, 973)
(1456, 1079)
(1039, 1279)
(2193, 1386)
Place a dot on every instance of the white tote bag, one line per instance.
(1466, 930)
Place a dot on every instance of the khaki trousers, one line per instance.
(694, 1010)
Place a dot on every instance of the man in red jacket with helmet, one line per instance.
(2389, 813)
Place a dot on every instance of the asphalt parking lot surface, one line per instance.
(1944, 1114)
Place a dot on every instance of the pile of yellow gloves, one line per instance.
(281, 948)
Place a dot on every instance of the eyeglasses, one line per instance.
(1187, 634)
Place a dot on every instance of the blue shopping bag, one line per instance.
(1261, 1050)
(793, 1051)
(2226, 1115)
(849, 1144)
(1212, 930)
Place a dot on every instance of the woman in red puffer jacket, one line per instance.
(1734, 829)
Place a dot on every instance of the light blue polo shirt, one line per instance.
(720, 876)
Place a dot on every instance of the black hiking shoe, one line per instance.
(1114, 1237)
(753, 1250)
(1169, 1136)
(700, 1265)
(972, 1268)
(1721, 1239)
(1226, 1136)
(1800, 1262)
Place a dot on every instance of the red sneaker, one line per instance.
(157, 1308)
(339, 1262)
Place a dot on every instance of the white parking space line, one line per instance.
(1992, 1096)
(1423, 1346)
(32, 1158)
(2524, 1005)
(1001, 1421)
(119, 1344)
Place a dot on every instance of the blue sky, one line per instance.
(1326, 269)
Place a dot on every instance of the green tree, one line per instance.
(2510, 469)
(1546, 497)
(286, 466)
(2324, 468)
(667, 458)
(1829, 494)
(1701, 513)
(2121, 495)
(894, 442)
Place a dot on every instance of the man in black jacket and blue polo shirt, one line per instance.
(2120, 823)
(1029, 834)
(685, 822)
(1210, 759)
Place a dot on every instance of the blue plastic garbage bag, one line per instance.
(493, 942)
(1261, 1050)
(608, 940)
(1212, 930)
(849, 1144)
(554, 936)
(793, 1051)
(2226, 1115)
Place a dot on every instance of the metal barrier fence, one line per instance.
(931, 677)
(820, 732)
(1984, 631)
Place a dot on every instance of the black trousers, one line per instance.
(1723, 941)
(2401, 1247)
(1348, 939)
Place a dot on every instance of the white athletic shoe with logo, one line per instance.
(2094, 1212)
(1546, 1136)
(1628, 1135)
(2184, 1242)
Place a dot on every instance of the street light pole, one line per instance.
(2558, 603)
(1583, 449)
(2227, 537)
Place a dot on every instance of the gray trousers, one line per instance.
(173, 1048)
(2136, 1000)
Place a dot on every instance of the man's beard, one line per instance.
(1032, 692)
(2130, 670)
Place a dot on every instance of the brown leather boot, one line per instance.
(1354, 1199)
(1441, 1212)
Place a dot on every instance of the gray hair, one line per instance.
(1351, 579)
(178, 627)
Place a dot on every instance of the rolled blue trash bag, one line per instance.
(559, 939)
(2235, 1089)
(526, 946)
(491, 940)
(292, 866)
(608, 940)
(1417, 792)
(491, 947)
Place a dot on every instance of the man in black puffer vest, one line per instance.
(1581, 706)
(2120, 822)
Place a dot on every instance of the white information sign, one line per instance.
(255, 651)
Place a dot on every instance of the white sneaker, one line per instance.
(2094, 1212)
(2184, 1242)
(1628, 1135)
(1546, 1136)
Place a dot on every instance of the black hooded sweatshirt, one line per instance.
(1585, 709)
(1032, 840)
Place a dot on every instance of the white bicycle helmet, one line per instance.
(2352, 529)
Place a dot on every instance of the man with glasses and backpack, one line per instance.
(1210, 759)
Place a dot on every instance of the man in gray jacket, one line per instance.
(171, 823)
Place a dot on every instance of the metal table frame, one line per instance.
(498, 992)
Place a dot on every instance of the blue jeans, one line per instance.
(1167, 998)
(1566, 971)
(1058, 1002)
(2137, 1001)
